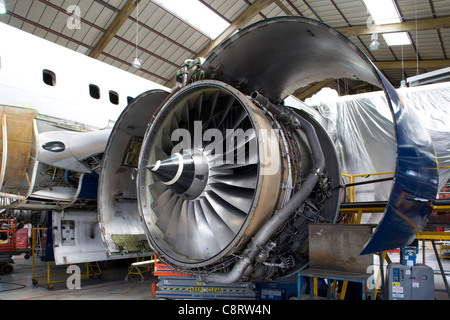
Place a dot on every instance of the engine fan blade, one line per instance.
(208, 240)
(246, 179)
(157, 189)
(244, 144)
(182, 243)
(195, 242)
(185, 117)
(213, 101)
(228, 104)
(222, 233)
(166, 142)
(171, 233)
(160, 154)
(198, 106)
(159, 203)
(174, 123)
(232, 216)
(163, 219)
(238, 197)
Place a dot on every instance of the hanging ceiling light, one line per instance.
(137, 63)
(374, 45)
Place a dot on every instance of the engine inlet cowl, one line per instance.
(204, 188)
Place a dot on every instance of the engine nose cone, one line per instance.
(176, 172)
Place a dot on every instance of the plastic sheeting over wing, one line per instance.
(362, 130)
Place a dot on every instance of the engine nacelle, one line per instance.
(228, 178)
(217, 165)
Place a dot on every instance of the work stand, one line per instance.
(334, 255)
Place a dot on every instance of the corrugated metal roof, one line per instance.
(165, 41)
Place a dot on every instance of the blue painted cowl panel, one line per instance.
(416, 180)
(279, 55)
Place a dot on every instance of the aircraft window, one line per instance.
(49, 77)
(94, 91)
(113, 97)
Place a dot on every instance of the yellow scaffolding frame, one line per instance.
(354, 215)
(140, 266)
(90, 272)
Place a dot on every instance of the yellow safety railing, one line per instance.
(352, 189)
(354, 215)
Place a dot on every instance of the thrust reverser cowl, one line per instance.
(278, 56)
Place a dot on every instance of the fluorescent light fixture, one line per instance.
(3, 7)
(383, 11)
(397, 38)
(197, 15)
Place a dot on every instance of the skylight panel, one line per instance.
(383, 11)
(197, 15)
(3, 7)
(397, 38)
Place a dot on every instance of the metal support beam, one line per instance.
(123, 15)
(283, 7)
(429, 77)
(424, 24)
(412, 64)
(314, 88)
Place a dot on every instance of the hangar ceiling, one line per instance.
(107, 32)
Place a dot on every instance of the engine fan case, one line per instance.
(203, 218)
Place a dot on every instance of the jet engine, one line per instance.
(224, 179)
(217, 165)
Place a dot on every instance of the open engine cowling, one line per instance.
(228, 178)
